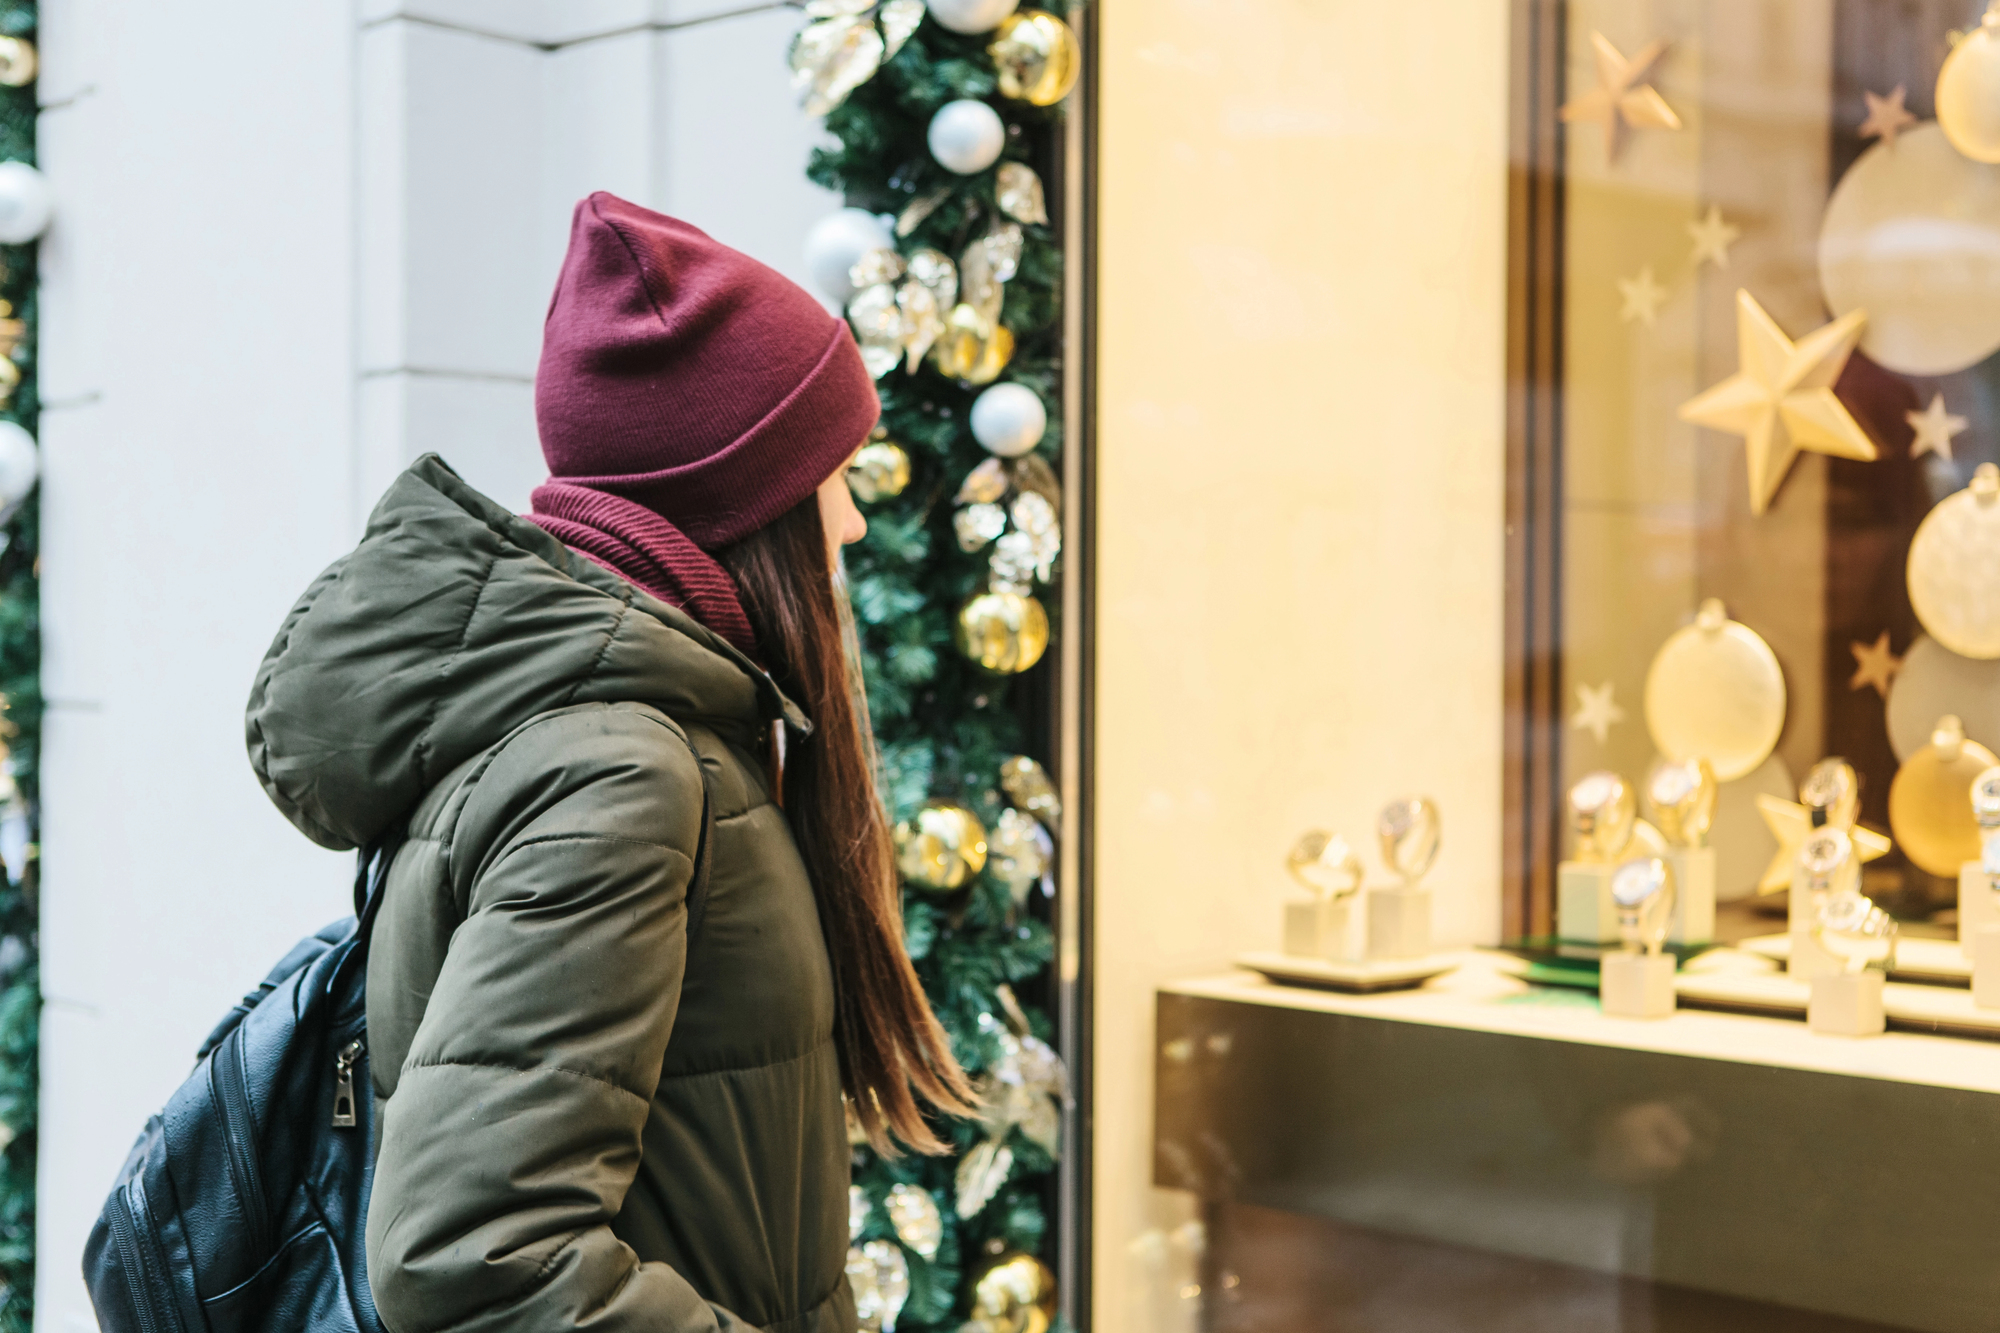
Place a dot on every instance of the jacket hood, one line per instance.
(452, 623)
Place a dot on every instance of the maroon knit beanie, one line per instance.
(688, 381)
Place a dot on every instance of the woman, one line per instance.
(609, 1085)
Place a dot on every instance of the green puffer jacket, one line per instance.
(588, 1117)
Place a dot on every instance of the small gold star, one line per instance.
(1781, 400)
(1642, 297)
(1789, 823)
(1713, 237)
(1874, 665)
(1595, 711)
(1623, 100)
(1886, 117)
(1934, 427)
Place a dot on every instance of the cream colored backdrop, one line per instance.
(1299, 563)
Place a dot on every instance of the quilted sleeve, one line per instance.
(514, 1131)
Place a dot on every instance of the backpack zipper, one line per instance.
(343, 1084)
(226, 1067)
(132, 1263)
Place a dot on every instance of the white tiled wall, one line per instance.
(296, 246)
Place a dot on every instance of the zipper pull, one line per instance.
(343, 1084)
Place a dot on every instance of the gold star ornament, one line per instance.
(1781, 398)
(1623, 100)
(1790, 823)
(1713, 236)
(1641, 297)
(1934, 427)
(1596, 711)
(1887, 117)
(1874, 665)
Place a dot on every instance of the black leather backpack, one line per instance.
(243, 1207)
(244, 1202)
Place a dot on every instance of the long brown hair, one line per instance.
(892, 1048)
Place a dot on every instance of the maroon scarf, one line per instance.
(637, 544)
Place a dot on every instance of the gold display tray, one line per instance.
(1361, 978)
(1745, 982)
(1939, 962)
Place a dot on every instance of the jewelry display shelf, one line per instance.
(1734, 1155)
(1939, 962)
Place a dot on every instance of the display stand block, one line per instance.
(1847, 1004)
(1399, 922)
(1986, 966)
(1319, 929)
(1810, 959)
(1694, 895)
(1978, 904)
(1636, 985)
(1585, 909)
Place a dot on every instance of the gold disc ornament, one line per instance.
(1968, 91)
(1954, 568)
(941, 847)
(1005, 632)
(1715, 692)
(1933, 681)
(1037, 57)
(1930, 801)
(1933, 305)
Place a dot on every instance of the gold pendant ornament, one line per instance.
(1623, 100)
(1037, 56)
(1014, 1293)
(1968, 91)
(1715, 692)
(879, 1277)
(1954, 568)
(1781, 399)
(880, 471)
(1930, 800)
(19, 62)
(1004, 631)
(941, 847)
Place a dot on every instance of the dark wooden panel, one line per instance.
(1763, 1184)
(1533, 681)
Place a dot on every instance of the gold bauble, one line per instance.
(18, 62)
(941, 847)
(1954, 568)
(879, 472)
(1005, 632)
(1038, 57)
(1930, 805)
(1715, 692)
(1968, 92)
(1015, 1293)
(973, 349)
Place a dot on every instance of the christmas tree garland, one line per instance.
(945, 121)
(23, 211)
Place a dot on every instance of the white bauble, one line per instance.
(966, 136)
(836, 241)
(1009, 419)
(20, 464)
(25, 203)
(971, 15)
